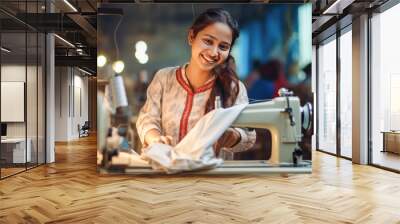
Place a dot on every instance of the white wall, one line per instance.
(81, 100)
(33, 127)
(71, 93)
(61, 104)
(12, 73)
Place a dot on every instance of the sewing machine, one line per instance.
(285, 119)
(283, 116)
(114, 114)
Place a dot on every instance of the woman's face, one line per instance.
(210, 47)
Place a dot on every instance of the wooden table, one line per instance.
(391, 141)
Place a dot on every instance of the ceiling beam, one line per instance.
(86, 26)
(81, 61)
(337, 7)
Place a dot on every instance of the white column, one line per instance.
(50, 92)
(360, 90)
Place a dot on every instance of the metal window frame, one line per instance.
(339, 32)
(326, 40)
(386, 6)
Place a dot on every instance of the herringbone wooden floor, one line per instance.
(70, 191)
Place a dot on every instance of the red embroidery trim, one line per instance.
(205, 87)
(185, 85)
(185, 116)
(189, 101)
(182, 81)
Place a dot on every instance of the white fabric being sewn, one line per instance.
(195, 151)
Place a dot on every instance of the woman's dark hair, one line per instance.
(226, 82)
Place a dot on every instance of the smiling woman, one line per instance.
(179, 96)
(198, 70)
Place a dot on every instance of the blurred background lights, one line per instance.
(140, 53)
(143, 59)
(101, 60)
(118, 66)
(141, 46)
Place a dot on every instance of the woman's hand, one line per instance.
(153, 136)
(161, 139)
(230, 138)
(165, 139)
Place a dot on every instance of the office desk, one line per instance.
(391, 141)
(15, 148)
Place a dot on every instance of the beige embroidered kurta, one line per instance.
(173, 108)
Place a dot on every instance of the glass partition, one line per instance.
(385, 89)
(22, 88)
(346, 94)
(31, 99)
(31, 86)
(14, 151)
(327, 96)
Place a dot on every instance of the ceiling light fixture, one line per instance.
(5, 50)
(70, 5)
(65, 41)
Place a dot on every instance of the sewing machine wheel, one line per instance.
(306, 116)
